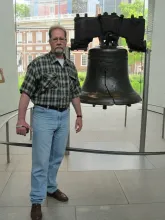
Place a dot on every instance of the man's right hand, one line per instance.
(22, 128)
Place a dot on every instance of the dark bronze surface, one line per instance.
(107, 80)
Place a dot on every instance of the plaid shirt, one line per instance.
(48, 83)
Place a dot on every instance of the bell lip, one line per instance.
(95, 98)
(98, 47)
(109, 102)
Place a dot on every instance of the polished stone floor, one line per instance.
(100, 187)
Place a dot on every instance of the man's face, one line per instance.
(58, 42)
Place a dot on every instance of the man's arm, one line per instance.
(23, 105)
(22, 127)
(77, 106)
(76, 91)
(27, 91)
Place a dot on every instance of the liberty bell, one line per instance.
(107, 80)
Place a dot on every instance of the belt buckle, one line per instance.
(47, 107)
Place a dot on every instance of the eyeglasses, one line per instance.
(55, 40)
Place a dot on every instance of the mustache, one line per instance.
(59, 47)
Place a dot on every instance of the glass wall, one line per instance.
(34, 17)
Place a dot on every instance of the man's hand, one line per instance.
(78, 124)
(22, 128)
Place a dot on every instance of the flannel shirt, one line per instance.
(48, 83)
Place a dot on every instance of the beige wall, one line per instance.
(157, 67)
(9, 94)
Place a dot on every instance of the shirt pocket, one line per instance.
(72, 79)
(48, 82)
(72, 74)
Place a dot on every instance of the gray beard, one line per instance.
(59, 51)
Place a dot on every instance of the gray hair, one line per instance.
(54, 27)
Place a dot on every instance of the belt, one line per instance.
(53, 107)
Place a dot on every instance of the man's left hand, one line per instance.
(78, 124)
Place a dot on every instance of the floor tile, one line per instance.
(143, 186)
(23, 213)
(93, 191)
(59, 213)
(3, 162)
(2, 149)
(19, 163)
(89, 161)
(24, 163)
(16, 192)
(98, 116)
(124, 212)
(157, 160)
(89, 188)
(20, 150)
(154, 143)
(117, 145)
(4, 178)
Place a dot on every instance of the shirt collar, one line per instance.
(54, 59)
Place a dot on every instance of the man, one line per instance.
(51, 82)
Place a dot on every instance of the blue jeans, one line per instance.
(50, 135)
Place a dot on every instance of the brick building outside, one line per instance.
(32, 41)
(32, 32)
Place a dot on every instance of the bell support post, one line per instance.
(145, 100)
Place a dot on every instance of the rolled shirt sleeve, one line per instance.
(29, 84)
(76, 88)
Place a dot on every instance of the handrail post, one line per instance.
(145, 101)
(163, 123)
(68, 145)
(67, 53)
(125, 121)
(68, 141)
(7, 140)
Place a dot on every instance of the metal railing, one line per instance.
(163, 118)
(8, 143)
(6, 123)
(68, 149)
